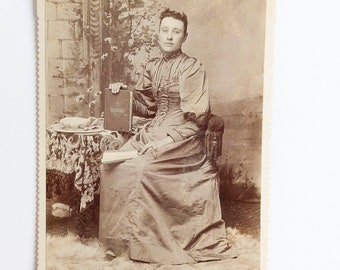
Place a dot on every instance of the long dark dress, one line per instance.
(164, 206)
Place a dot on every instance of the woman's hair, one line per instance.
(176, 15)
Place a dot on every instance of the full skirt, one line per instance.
(163, 207)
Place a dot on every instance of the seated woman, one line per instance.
(163, 205)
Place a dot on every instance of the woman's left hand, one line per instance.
(154, 145)
(151, 146)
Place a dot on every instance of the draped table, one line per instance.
(73, 162)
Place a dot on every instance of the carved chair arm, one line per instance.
(213, 137)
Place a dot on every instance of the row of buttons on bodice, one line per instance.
(164, 102)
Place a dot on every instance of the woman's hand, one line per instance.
(115, 87)
(154, 145)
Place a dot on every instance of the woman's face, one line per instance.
(171, 35)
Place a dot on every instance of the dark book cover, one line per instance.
(118, 110)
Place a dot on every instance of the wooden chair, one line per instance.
(213, 137)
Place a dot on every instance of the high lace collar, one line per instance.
(173, 55)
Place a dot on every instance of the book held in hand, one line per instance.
(118, 110)
(118, 156)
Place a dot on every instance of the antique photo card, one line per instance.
(153, 139)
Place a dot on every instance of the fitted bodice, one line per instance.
(177, 86)
(168, 104)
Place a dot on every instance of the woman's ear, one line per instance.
(185, 37)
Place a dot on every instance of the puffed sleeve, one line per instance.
(143, 101)
(193, 88)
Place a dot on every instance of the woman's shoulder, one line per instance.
(152, 62)
(189, 62)
(190, 59)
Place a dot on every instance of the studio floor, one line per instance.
(65, 249)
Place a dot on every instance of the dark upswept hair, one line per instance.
(176, 15)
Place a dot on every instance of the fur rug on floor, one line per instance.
(73, 253)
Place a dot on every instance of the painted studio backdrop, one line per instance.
(91, 43)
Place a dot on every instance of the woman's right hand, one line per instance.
(115, 87)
